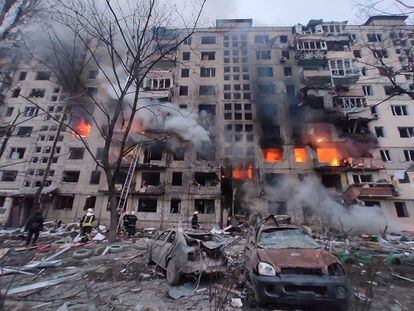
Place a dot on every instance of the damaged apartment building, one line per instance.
(278, 102)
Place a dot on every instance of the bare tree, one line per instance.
(124, 40)
(16, 13)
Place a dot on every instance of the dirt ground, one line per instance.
(123, 281)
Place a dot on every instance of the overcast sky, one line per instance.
(288, 12)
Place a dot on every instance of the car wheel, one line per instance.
(148, 258)
(173, 276)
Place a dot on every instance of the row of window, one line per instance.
(408, 155)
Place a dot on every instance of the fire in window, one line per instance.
(328, 155)
(300, 155)
(272, 155)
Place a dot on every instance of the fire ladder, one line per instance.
(127, 184)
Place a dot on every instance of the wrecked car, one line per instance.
(187, 252)
(284, 265)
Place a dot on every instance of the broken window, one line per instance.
(178, 154)
(16, 93)
(206, 153)
(63, 202)
(285, 54)
(177, 178)
(277, 207)
(206, 179)
(207, 90)
(9, 112)
(399, 110)
(204, 206)
(272, 155)
(150, 179)
(379, 131)
(372, 203)
(208, 39)
(406, 132)
(17, 153)
(263, 54)
(8, 175)
(24, 131)
(342, 67)
(328, 155)
(206, 72)
(95, 178)
(385, 155)
(37, 93)
(263, 39)
(283, 39)
(92, 91)
(367, 90)
(153, 153)
(374, 37)
(332, 181)
(76, 153)
(357, 53)
(186, 55)
(300, 155)
(287, 71)
(22, 75)
(265, 71)
(43, 75)
(70, 176)
(401, 209)
(409, 155)
(89, 202)
(175, 206)
(361, 178)
(380, 53)
(147, 205)
(183, 90)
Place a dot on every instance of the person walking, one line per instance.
(86, 224)
(34, 225)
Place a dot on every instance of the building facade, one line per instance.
(279, 103)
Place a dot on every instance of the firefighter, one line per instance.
(125, 221)
(34, 226)
(194, 221)
(132, 221)
(86, 224)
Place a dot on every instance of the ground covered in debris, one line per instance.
(52, 277)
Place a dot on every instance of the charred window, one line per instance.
(24, 131)
(76, 153)
(207, 90)
(70, 176)
(177, 178)
(89, 202)
(63, 202)
(204, 206)
(178, 154)
(8, 175)
(147, 205)
(274, 179)
(37, 93)
(175, 206)
(362, 178)
(205, 179)
(153, 153)
(206, 153)
(43, 75)
(150, 179)
(332, 181)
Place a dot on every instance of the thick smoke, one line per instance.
(325, 209)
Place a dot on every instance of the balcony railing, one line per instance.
(369, 190)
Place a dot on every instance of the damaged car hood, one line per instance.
(305, 258)
(212, 244)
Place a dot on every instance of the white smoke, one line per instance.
(310, 192)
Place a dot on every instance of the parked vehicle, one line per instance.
(285, 266)
(187, 252)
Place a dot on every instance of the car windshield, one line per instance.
(286, 239)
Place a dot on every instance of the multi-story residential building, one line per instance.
(280, 103)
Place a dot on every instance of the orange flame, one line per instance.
(300, 155)
(272, 155)
(329, 155)
(83, 128)
(241, 173)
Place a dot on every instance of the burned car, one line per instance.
(187, 252)
(284, 265)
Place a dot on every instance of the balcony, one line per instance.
(150, 190)
(368, 190)
(319, 77)
(366, 164)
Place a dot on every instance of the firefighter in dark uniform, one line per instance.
(86, 224)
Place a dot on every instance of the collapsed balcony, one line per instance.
(356, 130)
(369, 190)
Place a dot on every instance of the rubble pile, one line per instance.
(64, 274)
